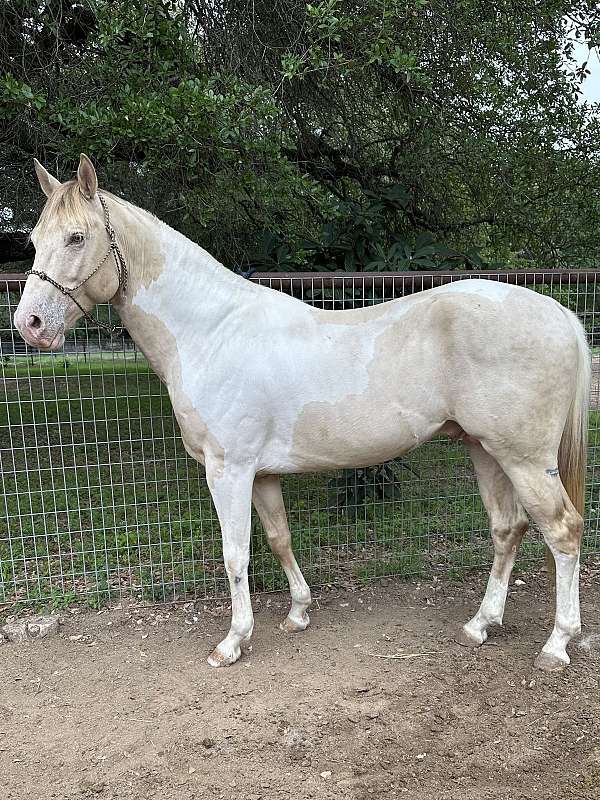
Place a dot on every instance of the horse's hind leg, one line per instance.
(508, 523)
(546, 500)
(268, 501)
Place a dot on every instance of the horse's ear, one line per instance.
(86, 177)
(48, 182)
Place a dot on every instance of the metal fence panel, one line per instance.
(100, 499)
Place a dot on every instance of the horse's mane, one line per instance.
(66, 204)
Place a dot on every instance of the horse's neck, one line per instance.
(175, 289)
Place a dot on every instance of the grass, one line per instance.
(101, 499)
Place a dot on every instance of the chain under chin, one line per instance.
(120, 265)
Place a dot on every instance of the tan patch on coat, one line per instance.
(141, 245)
(394, 414)
(460, 357)
(160, 348)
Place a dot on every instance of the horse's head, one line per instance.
(72, 251)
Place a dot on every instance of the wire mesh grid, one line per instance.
(100, 499)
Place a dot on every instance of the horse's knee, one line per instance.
(237, 568)
(281, 548)
(280, 541)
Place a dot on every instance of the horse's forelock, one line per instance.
(66, 206)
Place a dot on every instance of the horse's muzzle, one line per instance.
(37, 333)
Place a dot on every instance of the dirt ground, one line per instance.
(121, 703)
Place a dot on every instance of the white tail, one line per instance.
(572, 453)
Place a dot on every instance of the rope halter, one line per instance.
(120, 265)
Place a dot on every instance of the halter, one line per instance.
(120, 265)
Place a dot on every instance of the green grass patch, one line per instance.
(409, 563)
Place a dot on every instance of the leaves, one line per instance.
(15, 94)
(353, 488)
(396, 134)
(360, 238)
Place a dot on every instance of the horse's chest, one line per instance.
(197, 438)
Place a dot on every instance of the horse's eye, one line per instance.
(76, 238)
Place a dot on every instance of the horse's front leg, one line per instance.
(231, 490)
(268, 501)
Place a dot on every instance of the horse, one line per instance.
(264, 385)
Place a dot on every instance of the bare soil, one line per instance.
(121, 704)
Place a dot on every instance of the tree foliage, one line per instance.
(386, 134)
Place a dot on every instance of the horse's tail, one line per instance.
(572, 452)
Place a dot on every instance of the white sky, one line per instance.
(591, 86)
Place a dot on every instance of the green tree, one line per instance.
(391, 134)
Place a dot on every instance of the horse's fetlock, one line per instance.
(568, 626)
(244, 630)
(303, 597)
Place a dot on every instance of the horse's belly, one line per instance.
(324, 437)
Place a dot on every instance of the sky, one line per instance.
(591, 86)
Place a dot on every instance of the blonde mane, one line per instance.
(66, 204)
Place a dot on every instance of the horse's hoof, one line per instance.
(220, 659)
(549, 663)
(466, 639)
(290, 625)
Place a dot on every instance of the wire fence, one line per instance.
(101, 501)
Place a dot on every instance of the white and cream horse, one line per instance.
(262, 384)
